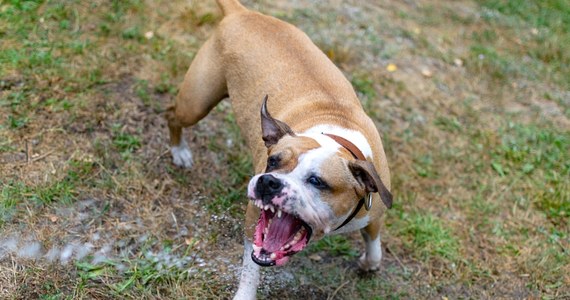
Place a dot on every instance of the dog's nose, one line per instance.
(268, 187)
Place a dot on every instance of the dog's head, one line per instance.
(310, 186)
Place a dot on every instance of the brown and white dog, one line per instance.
(318, 157)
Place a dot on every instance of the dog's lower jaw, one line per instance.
(249, 275)
(370, 260)
(181, 155)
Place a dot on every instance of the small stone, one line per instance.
(426, 72)
(149, 35)
(315, 257)
(458, 62)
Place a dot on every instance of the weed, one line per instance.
(125, 142)
(450, 124)
(142, 91)
(132, 33)
(428, 236)
(488, 61)
(17, 122)
(337, 245)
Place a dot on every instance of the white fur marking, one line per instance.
(355, 137)
(181, 155)
(370, 260)
(353, 225)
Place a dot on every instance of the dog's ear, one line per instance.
(366, 175)
(272, 130)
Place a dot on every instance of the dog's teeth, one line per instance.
(297, 236)
(273, 256)
(272, 209)
(279, 212)
(266, 207)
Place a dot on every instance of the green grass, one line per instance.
(487, 60)
(548, 23)
(539, 157)
(428, 236)
(335, 245)
(64, 190)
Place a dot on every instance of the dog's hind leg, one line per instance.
(204, 86)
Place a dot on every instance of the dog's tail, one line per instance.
(230, 6)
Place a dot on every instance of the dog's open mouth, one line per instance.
(278, 235)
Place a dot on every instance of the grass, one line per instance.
(477, 150)
(548, 23)
(59, 190)
(429, 237)
(336, 245)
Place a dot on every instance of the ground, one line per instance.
(472, 99)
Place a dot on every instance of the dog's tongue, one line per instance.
(280, 231)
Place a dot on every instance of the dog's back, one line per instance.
(264, 55)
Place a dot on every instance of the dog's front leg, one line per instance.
(250, 271)
(370, 260)
(249, 275)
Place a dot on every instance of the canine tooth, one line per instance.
(272, 209)
(279, 212)
(266, 207)
(273, 256)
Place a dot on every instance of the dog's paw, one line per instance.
(182, 156)
(368, 265)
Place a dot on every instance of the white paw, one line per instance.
(181, 155)
(368, 265)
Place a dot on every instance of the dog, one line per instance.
(320, 163)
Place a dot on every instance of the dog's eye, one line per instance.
(317, 182)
